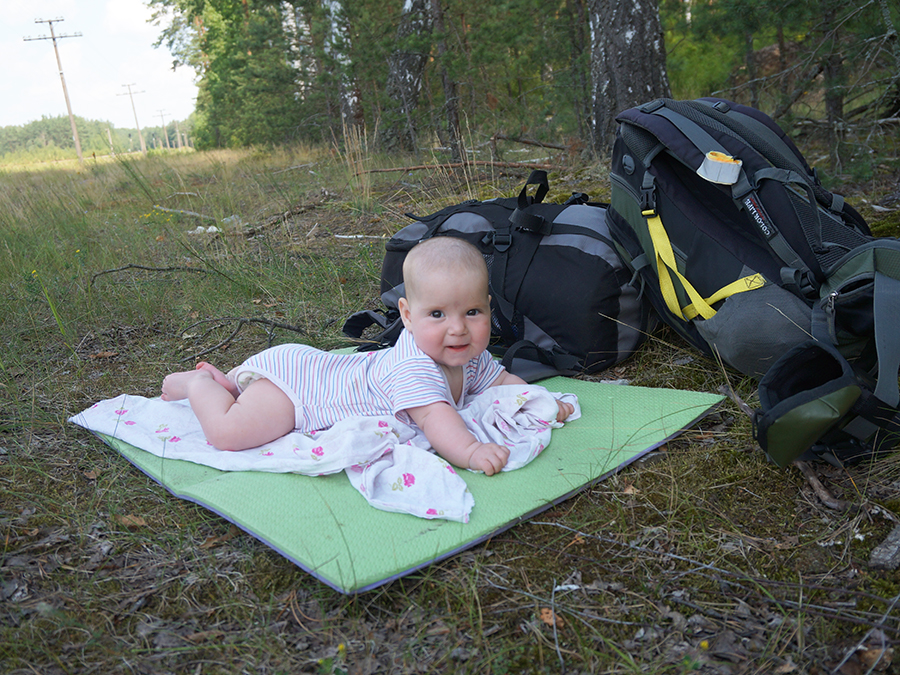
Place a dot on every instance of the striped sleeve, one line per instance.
(481, 372)
(416, 382)
(408, 378)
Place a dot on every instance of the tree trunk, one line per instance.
(891, 100)
(580, 87)
(337, 46)
(404, 83)
(628, 62)
(752, 70)
(832, 64)
(451, 98)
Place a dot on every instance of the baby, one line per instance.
(439, 359)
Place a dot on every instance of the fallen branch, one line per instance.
(527, 141)
(292, 168)
(459, 165)
(726, 390)
(833, 502)
(821, 491)
(148, 269)
(242, 321)
(282, 217)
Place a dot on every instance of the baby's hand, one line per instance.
(488, 457)
(565, 409)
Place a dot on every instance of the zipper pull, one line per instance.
(830, 315)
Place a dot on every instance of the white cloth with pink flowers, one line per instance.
(389, 463)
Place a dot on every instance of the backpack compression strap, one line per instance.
(666, 267)
(742, 190)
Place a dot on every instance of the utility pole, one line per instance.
(164, 132)
(130, 95)
(62, 77)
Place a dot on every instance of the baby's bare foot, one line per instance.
(219, 377)
(174, 386)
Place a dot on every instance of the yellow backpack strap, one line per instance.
(666, 267)
(747, 283)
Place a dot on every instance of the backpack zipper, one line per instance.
(829, 315)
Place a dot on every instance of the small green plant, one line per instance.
(59, 322)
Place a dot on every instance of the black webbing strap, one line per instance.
(390, 325)
(511, 325)
(524, 349)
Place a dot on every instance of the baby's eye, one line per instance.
(436, 314)
(473, 312)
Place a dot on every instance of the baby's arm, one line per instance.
(447, 433)
(506, 377)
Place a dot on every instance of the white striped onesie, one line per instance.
(326, 387)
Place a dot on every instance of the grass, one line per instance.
(708, 559)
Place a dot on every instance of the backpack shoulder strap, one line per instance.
(743, 189)
(390, 323)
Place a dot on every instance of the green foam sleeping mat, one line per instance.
(325, 526)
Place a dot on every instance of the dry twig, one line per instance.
(821, 491)
(148, 269)
(241, 322)
(526, 141)
(459, 165)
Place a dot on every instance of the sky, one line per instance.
(115, 49)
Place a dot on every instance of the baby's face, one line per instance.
(449, 317)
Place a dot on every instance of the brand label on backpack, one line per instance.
(759, 216)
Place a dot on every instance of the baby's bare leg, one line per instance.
(175, 385)
(259, 415)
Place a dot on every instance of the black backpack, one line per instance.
(562, 301)
(747, 256)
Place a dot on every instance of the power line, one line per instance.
(131, 96)
(62, 77)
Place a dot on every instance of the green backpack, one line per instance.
(746, 255)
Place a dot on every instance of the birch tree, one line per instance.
(628, 62)
(337, 48)
(405, 70)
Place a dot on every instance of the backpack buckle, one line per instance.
(648, 202)
(530, 222)
(648, 195)
(502, 240)
(652, 106)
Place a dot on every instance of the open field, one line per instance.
(707, 559)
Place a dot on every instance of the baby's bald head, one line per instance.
(442, 255)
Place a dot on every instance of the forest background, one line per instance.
(420, 74)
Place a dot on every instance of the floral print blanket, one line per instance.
(391, 464)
